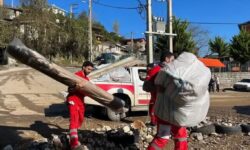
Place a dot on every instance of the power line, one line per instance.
(214, 23)
(112, 6)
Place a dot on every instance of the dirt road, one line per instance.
(31, 107)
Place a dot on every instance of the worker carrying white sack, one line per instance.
(182, 99)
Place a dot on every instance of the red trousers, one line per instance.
(164, 131)
(151, 113)
(76, 113)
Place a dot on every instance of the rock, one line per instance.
(106, 128)
(98, 129)
(126, 129)
(138, 124)
(143, 135)
(214, 134)
(56, 141)
(149, 138)
(43, 140)
(197, 136)
(130, 132)
(8, 147)
(218, 120)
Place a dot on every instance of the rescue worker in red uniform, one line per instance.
(164, 129)
(76, 106)
(152, 71)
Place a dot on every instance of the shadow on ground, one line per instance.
(242, 109)
(12, 135)
(57, 110)
(91, 111)
(231, 89)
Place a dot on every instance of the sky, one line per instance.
(226, 14)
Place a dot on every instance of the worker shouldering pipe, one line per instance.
(33, 59)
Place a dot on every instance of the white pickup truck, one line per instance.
(131, 91)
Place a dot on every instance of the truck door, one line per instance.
(139, 75)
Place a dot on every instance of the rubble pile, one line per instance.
(137, 136)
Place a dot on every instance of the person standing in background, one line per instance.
(217, 83)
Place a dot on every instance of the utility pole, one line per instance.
(132, 43)
(170, 26)
(149, 30)
(90, 32)
(72, 6)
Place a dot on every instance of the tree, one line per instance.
(7, 29)
(218, 45)
(37, 4)
(182, 42)
(200, 36)
(240, 47)
(57, 35)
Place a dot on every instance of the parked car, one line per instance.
(242, 85)
(107, 58)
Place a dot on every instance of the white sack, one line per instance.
(116, 75)
(185, 99)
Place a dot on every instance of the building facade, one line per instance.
(245, 26)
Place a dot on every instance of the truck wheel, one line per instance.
(113, 115)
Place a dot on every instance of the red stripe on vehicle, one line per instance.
(107, 87)
(143, 101)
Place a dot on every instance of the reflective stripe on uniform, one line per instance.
(71, 102)
(72, 130)
(73, 136)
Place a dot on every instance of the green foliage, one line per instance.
(218, 45)
(182, 42)
(240, 47)
(52, 35)
(7, 29)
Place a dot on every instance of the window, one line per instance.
(142, 74)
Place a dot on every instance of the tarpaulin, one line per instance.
(210, 62)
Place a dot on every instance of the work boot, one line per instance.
(81, 147)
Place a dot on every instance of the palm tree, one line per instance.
(218, 45)
(240, 47)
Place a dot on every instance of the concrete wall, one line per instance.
(227, 79)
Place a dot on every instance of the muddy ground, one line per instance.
(32, 108)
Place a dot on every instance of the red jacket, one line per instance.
(76, 95)
(151, 75)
